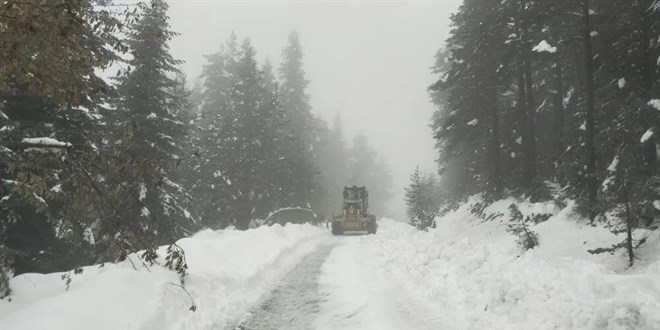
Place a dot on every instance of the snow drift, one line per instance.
(229, 270)
(471, 274)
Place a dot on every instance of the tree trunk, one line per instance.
(558, 113)
(526, 102)
(592, 184)
(648, 72)
(530, 146)
(491, 101)
(523, 125)
(629, 226)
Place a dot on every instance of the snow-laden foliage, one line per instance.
(527, 94)
(423, 199)
(518, 226)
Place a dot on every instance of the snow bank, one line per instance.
(229, 270)
(473, 275)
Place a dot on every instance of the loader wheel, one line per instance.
(372, 227)
(336, 230)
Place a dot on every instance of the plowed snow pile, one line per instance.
(473, 276)
(229, 270)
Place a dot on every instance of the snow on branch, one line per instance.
(46, 142)
(646, 136)
(544, 46)
(655, 103)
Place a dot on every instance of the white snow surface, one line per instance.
(613, 164)
(647, 135)
(544, 46)
(469, 274)
(229, 270)
(621, 83)
(46, 141)
(465, 274)
(655, 102)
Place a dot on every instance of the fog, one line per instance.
(367, 61)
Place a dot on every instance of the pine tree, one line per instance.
(49, 97)
(150, 113)
(219, 77)
(294, 99)
(366, 168)
(575, 78)
(519, 226)
(469, 127)
(301, 124)
(423, 200)
(333, 165)
(253, 154)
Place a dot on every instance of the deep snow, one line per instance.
(229, 271)
(465, 274)
(471, 274)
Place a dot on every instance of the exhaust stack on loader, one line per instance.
(355, 215)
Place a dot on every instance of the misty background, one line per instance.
(367, 61)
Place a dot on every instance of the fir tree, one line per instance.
(366, 168)
(150, 113)
(519, 226)
(301, 124)
(422, 200)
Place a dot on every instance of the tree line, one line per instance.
(534, 94)
(94, 169)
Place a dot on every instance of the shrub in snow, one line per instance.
(6, 273)
(478, 208)
(423, 200)
(630, 194)
(176, 260)
(519, 226)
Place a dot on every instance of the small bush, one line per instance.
(519, 226)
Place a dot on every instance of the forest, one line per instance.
(248, 187)
(107, 149)
(549, 100)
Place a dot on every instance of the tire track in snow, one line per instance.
(337, 287)
(356, 296)
(294, 303)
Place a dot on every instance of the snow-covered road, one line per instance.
(337, 287)
(294, 302)
(459, 278)
(358, 296)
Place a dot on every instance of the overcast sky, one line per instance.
(366, 60)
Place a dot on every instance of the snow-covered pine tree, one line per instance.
(468, 128)
(422, 199)
(149, 115)
(218, 77)
(54, 182)
(518, 226)
(38, 228)
(301, 123)
(333, 165)
(294, 99)
(367, 168)
(629, 123)
(631, 194)
(250, 150)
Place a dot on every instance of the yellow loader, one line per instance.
(355, 215)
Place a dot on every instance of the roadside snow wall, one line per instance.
(228, 271)
(473, 276)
